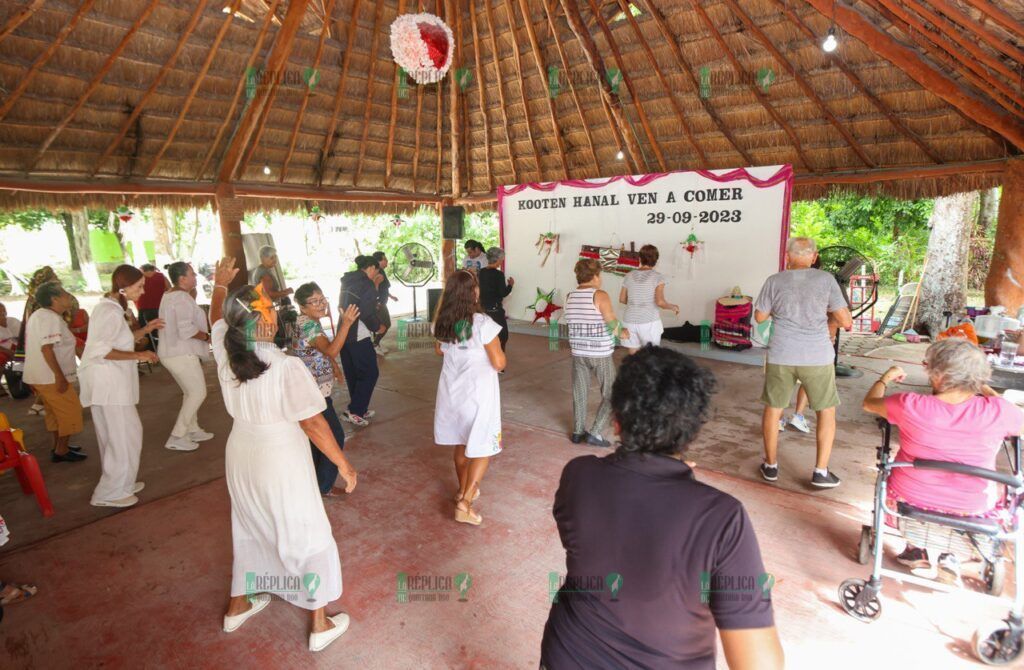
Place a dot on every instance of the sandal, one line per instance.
(467, 515)
(458, 497)
(21, 594)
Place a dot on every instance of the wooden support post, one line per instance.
(1005, 283)
(230, 211)
(447, 247)
(455, 120)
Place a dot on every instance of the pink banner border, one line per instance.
(784, 175)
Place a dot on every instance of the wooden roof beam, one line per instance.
(44, 58)
(856, 24)
(804, 86)
(997, 15)
(267, 20)
(324, 31)
(330, 141)
(501, 89)
(954, 13)
(522, 84)
(644, 121)
(440, 90)
(20, 18)
(261, 101)
(211, 54)
(549, 13)
(374, 40)
(538, 58)
(743, 76)
(93, 84)
(579, 29)
(480, 95)
(681, 61)
(859, 85)
(455, 121)
(394, 114)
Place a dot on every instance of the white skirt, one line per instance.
(280, 533)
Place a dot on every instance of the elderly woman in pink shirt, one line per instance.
(961, 421)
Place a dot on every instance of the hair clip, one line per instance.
(244, 306)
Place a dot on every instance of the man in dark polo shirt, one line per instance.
(656, 560)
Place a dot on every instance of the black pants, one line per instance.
(359, 362)
(326, 471)
(145, 316)
(499, 317)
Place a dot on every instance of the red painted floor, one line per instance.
(146, 587)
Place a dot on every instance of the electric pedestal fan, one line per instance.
(845, 263)
(413, 266)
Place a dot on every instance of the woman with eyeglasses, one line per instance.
(320, 355)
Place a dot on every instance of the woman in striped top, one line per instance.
(592, 330)
(643, 293)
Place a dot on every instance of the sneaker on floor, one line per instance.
(381, 350)
(595, 440)
(369, 414)
(576, 438)
(138, 487)
(123, 502)
(318, 641)
(37, 409)
(826, 481)
(799, 422)
(70, 457)
(74, 448)
(200, 436)
(914, 558)
(949, 570)
(353, 418)
(782, 424)
(770, 473)
(181, 444)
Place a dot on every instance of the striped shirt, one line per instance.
(588, 333)
(640, 286)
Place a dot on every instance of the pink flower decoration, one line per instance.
(423, 45)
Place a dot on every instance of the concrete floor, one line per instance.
(147, 586)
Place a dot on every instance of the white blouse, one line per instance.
(183, 318)
(106, 382)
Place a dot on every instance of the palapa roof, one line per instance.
(152, 97)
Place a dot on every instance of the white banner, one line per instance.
(714, 230)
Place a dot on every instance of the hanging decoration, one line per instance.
(693, 247)
(544, 305)
(615, 260)
(125, 213)
(546, 242)
(315, 215)
(423, 46)
(396, 221)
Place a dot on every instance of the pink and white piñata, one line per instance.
(422, 44)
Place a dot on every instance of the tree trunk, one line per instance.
(988, 211)
(163, 231)
(69, 231)
(1006, 274)
(80, 225)
(944, 287)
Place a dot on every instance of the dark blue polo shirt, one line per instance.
(655, 561)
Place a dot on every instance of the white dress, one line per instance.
(280, 533)
(468, 408)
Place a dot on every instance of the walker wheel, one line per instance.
(995, 577)
(854, 598)
(997, 645)
(865, 548)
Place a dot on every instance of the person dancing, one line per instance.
(494, 288)
(467, 414)
(320, 356)
(182, 347)
(110, 385)
(278, 524)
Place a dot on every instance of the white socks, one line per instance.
(821, 471)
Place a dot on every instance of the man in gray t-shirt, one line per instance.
(801, 302)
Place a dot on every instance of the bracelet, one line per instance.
(217, 286)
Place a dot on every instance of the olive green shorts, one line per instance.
(819, 381)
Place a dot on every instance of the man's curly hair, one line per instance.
(661, 400)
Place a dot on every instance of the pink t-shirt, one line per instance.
(970, 433)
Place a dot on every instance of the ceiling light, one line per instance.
(266, 169)
(620, 156)
(831, 43)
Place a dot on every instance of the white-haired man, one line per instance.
(801, 301)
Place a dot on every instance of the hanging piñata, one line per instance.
(545, 244)
(544, 305)
(423, 46)
(125, 213)
(694, 248)
(315, 215)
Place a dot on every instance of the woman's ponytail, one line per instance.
(239, 341)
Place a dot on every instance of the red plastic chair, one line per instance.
(26, 467)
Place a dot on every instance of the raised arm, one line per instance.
(223, 274)
(874, 401)
(331, 348)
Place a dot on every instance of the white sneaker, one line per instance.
(259, 601)
(369, 414)
(200, 436)
(782, 424)
(381, 350)
(181, 444)
(800, 423)
(123, 502)
(318, 641)
(138, 487)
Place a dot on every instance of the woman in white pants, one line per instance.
(110, 385)
(643, 294)
(183, 345)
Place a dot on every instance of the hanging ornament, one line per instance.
(546, 242)
(397, 221)
(423, 46)
(694, 248)
(315, 215)
(544, 305)
(125, 213)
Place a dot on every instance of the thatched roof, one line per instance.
(154, 92)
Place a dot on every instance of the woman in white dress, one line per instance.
(110, 385)
(467, 414)
(183, 346)
(280, 534)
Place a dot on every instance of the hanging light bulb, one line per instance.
(620, 156)
(831, 43)
(266, 169)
